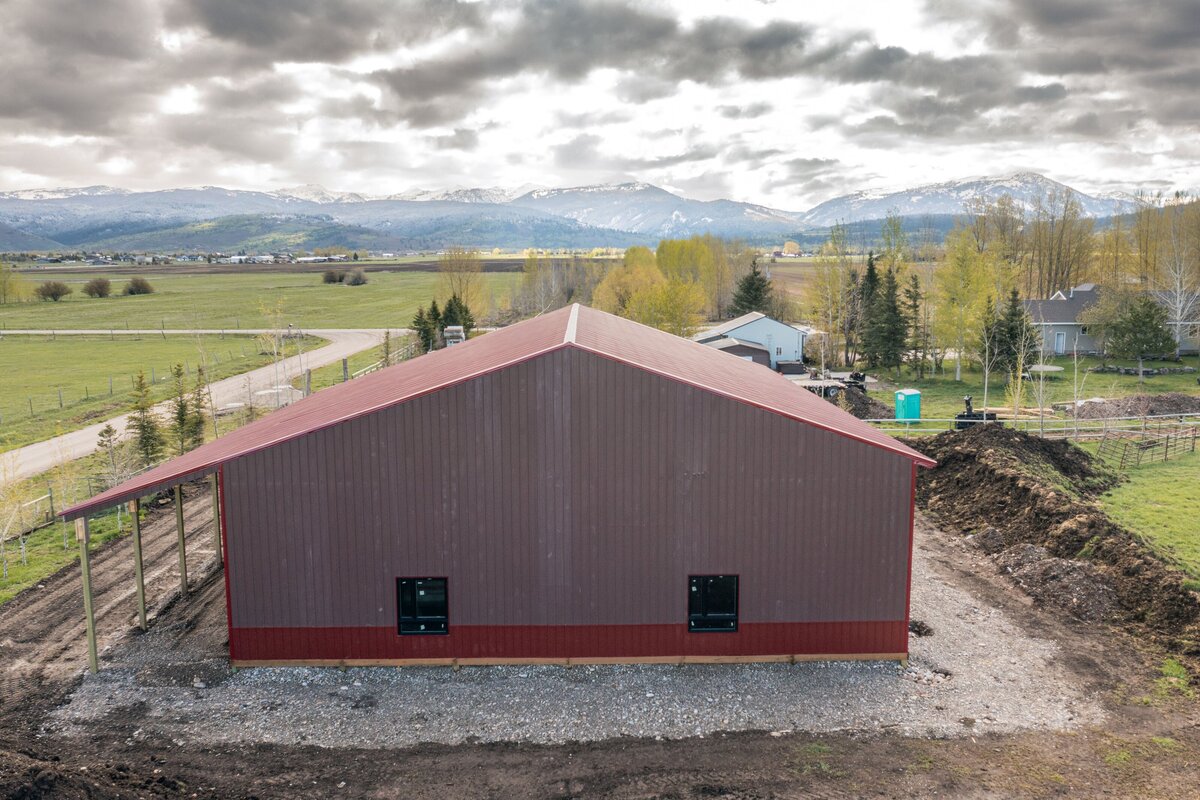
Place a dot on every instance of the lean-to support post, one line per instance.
(183, 589)
(138, 576)
(216, 516)
(81, 535)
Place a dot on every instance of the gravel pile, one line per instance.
(976, 672)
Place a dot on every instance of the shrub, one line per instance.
(333, 276)
(98, 287)
(52, 290)
(138, 285)
(356, 278)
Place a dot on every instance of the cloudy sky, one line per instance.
(785, 103)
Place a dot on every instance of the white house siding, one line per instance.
(783, 342)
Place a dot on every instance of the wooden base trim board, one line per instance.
(569, 662)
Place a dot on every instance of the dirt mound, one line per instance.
(1077, 587)
(1012, 490)
(1141, 405)
(995, 446)
(26, 778)
(862, 405)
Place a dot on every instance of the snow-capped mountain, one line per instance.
(316, 193)
(629, 213)
(950, 197)
(488, 194)
(648, 209)
(64, 192)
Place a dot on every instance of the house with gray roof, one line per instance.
(1059, 320)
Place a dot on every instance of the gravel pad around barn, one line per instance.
(978, 671)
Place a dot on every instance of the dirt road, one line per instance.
(343, 343)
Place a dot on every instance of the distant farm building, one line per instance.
(573, 488)
(780, 341)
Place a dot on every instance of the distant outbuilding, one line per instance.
(574, 488)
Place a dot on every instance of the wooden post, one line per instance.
(183, 589)
(345, 370)
(81, 535)
(135, 510)
(307, 382)
(216, 515)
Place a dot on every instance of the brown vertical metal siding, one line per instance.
(567, 490)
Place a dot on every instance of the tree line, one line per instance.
(917, 305)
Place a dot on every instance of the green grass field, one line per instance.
(1161, 503)
(44, 551)
(328, 375)
(230, 301)
(35, 368)
(942, 396)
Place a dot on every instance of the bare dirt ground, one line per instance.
(1147, 744)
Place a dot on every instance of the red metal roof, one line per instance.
(575, 326)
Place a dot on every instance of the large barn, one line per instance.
(574, 488)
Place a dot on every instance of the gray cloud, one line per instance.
(583, 152)
(461, 139)
(328, 31)
(749, 111)
(1100, 73)
(1144, 52)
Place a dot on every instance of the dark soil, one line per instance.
(861, 405)
(1014, 489)
(1142, 405)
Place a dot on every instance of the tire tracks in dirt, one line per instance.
(43, 647)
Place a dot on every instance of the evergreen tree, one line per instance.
(753, 293)
(457, 313)
(887, 328)
(1016, 337)
(425, 330)
(868, 290)
(147, 434)
(436, 325)
(1141, 331)
(385, 352)
(185, 423)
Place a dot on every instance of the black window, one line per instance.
(712, 603)
(423, 605)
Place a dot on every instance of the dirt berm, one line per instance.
(1011, 489)
(861, 405)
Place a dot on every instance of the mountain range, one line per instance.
(211, 218)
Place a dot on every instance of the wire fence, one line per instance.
(23, 520)
(55, 397)
(1048, 427)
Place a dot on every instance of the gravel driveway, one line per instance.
(979, 672)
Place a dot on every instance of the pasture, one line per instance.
(36, 368)
(1161, 502)
(228, 301)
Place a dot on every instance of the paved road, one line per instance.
(36, 458)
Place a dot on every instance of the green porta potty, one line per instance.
(908, 404)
